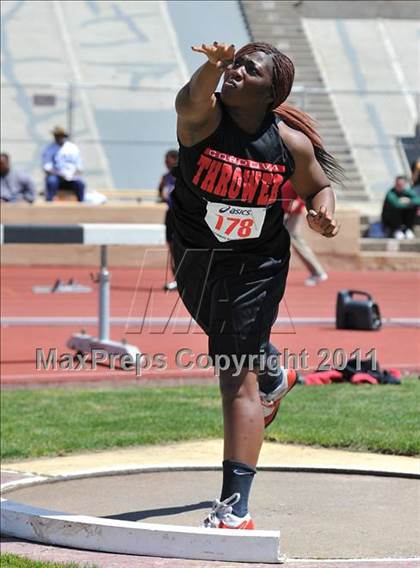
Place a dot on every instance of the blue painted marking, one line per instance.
(128, 19)
(351, 53)
(22, 98)
(93, 6)
(371, 109)
(382, 136)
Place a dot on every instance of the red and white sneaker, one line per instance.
(271, 402)
(221, 516)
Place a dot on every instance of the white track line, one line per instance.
(174, 321)
(356, 561)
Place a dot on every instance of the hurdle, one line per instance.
(91, 234)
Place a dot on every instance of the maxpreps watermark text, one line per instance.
(186, 359)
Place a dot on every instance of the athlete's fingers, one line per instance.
(318, 218)
(203, 48)
(219, 54)
(325, 222)
(331, 230)
(336, 230)
(332, 233)
(323, 218)
(311, 218)
(198, 49)
(216, 44)
(322, 212)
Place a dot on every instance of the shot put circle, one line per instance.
(321, 513)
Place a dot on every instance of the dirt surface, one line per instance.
(305, 507)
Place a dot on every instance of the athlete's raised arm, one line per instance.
(196, 105)
(311, 183)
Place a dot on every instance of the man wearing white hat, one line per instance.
(62, 164)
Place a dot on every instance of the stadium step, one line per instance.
(352, 179)
(280, 23)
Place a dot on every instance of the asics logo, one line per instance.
(235, 210)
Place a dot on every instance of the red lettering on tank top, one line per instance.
(251, 164)
(265, 187)
(203, 164)
(250, 183)
(277, 181)
(222, 185)
(236, 184)
(238, 178)
(208, 182)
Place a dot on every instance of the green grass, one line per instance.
(60, 421)
(13, 561)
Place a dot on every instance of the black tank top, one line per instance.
(228, 190)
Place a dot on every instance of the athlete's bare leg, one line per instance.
(242, 417)
(171, 256)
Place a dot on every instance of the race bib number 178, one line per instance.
(229, 222)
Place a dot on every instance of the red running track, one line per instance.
(397, 294)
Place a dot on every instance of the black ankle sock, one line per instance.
(237, 478)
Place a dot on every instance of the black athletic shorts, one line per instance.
(169, 225)
(234, 297)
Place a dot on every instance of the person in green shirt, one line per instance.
(400, 209)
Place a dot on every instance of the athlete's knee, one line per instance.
(242, 385)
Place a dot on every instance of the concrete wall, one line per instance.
(341, 253)
(342, 248)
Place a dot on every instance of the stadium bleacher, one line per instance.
(358, 61)
(113, 69)
(346, 51)
(126, 60)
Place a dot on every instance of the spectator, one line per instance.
(294, 209)
(63, 165)
(415, 176)
(399, 209)
(166, 187)
(14, 185)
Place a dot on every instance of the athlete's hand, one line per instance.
(220, 55)
(322, 222)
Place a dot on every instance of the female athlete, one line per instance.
(231, 249)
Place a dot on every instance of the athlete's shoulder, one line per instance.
(297, 142)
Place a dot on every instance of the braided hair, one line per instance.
(283, 76)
